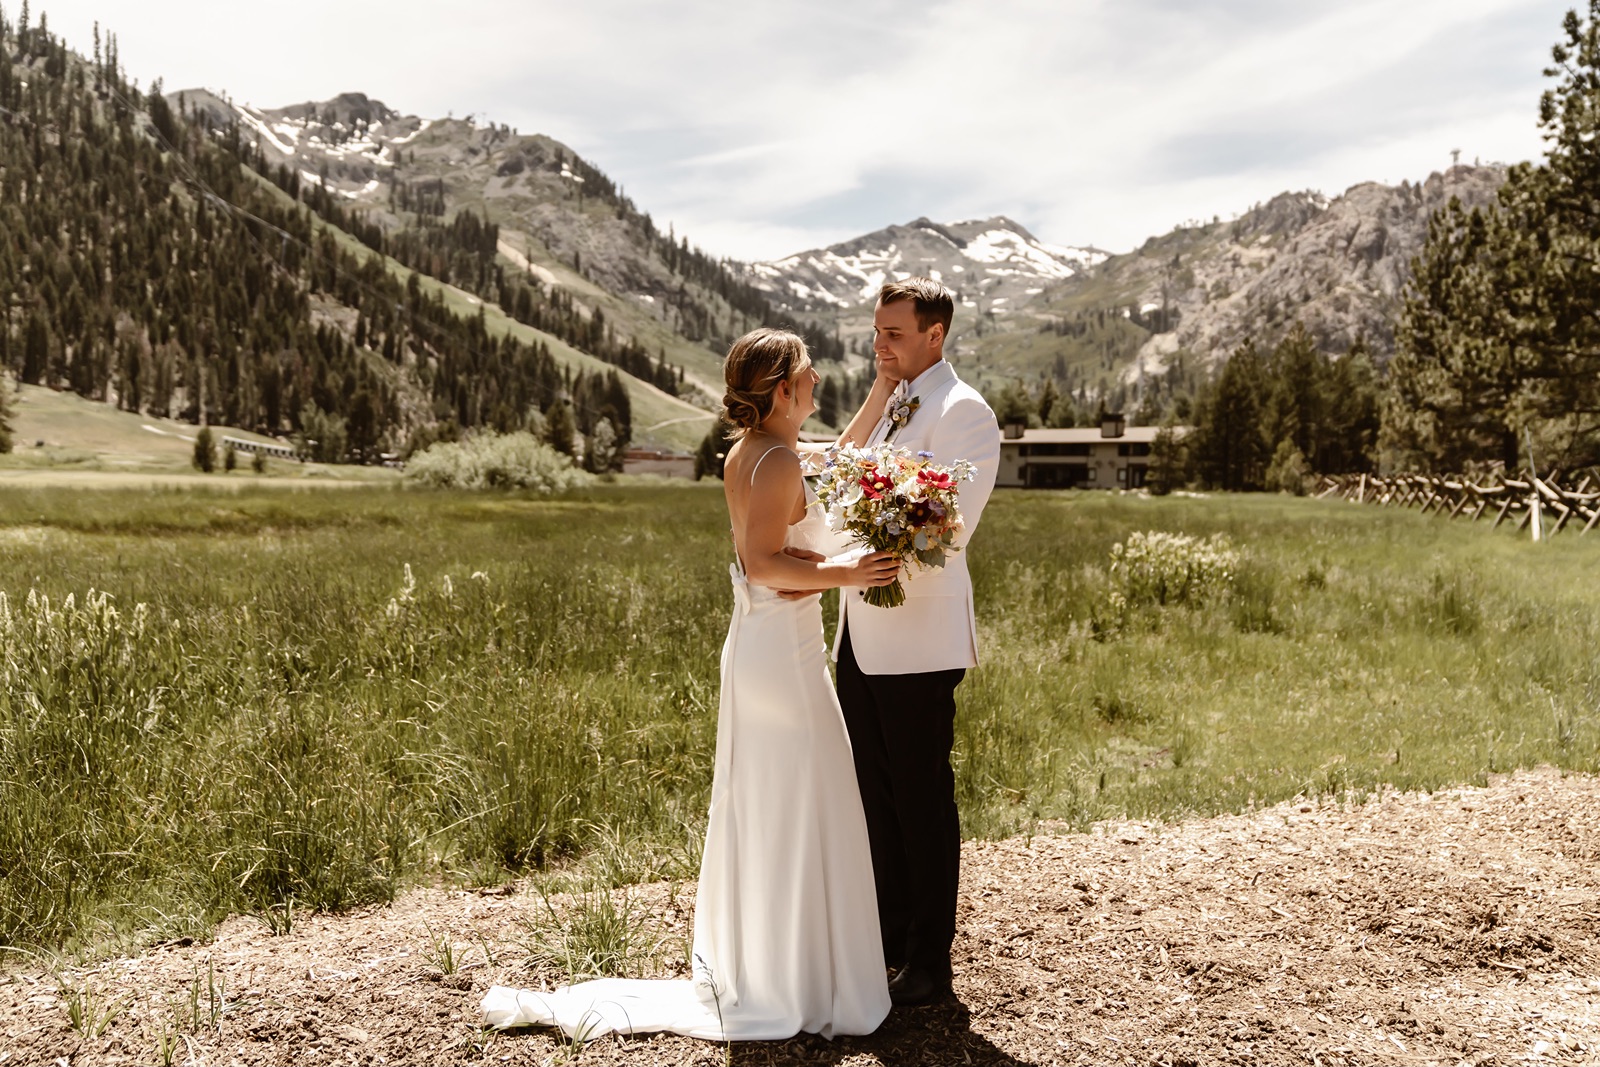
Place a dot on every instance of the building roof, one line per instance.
(1088, 435)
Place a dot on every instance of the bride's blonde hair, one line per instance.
(756, 363)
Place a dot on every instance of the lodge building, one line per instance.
(1112, 455)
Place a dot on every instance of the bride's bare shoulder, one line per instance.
(752, 457)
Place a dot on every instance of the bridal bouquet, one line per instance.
(892, 500)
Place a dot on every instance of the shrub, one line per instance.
(495, 461)
(1168, 568)
(1289, 472)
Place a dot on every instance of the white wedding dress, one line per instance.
(786, 923)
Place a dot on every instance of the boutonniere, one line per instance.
(900, 412)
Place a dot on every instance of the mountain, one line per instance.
(558, 219)
(337, 269)
(1338, 266)
(989, 262)
(182, 254)
(1098, 322)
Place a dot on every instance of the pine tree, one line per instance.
(205, 452)
(1229, 451)
(1014, 405)
(1293, 408)
(7, 412)
(1049, 397)
(828, 403)
(711, 456)
(1351, 400)
(1456, 378)
(561, 428)
(1166, 460)
(1498, 337)
(35, 349)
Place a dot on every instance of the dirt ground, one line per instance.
(1457, 927)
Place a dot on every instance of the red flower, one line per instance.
(874, 486)
(937, 479)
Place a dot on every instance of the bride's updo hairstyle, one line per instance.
(756, 363)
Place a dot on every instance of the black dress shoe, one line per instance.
(918, 985)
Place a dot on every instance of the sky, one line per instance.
(760, 129)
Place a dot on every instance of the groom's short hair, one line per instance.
(932, 302)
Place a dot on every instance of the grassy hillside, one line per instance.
(63, 432)
(659, 420)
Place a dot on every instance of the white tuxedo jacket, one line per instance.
(935, 629)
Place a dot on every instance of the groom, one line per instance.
(899, 667)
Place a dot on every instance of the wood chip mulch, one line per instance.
(1461, 927)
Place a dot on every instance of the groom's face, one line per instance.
(902, 350)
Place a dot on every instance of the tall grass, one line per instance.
(1355, 647)
(326, 695)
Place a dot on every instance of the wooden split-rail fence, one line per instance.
(1543, 505)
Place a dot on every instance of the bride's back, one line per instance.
(758, 456)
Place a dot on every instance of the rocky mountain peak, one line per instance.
(992, 261)
(1339, 266)
(351, 110)
(1284, 213)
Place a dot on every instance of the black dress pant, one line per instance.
(902, 728)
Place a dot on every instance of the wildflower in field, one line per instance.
(1171, 568)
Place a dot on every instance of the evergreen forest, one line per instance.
(153, 260)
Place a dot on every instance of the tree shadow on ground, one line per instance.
(936, 1034)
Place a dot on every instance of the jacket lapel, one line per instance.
(929, 391)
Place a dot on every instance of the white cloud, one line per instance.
(764, 129)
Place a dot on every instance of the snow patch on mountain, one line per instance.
(271, 131)
(995, 257)
(413, 135)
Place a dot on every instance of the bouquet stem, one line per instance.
(886, 596)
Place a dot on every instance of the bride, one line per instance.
(786, 925)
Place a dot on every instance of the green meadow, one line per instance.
(321, 697)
